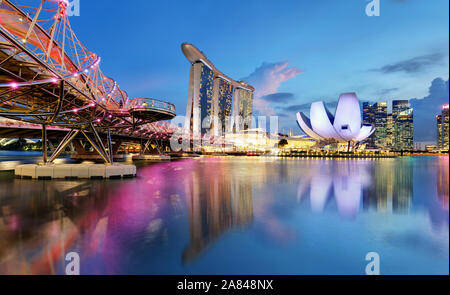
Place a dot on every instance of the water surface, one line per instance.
(234, 215)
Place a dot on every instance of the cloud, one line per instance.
(267, 79)
(305, 107)
(384, 92)
(280, 97)
(426, 109)
(413, 65)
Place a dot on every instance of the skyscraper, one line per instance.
(368, 115)
(243, 107)
(381, 116)
(439, 132)
(443, 129)
(223, 100)
(200, 98)
(403, 121)
(376, 115)
(369, 119)
(390, 132)
(215, 101)
(445, 122)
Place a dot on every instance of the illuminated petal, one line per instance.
(305, 124)
(347, 121)
(365, 132)
(322, 121)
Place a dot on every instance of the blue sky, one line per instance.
(302, 50)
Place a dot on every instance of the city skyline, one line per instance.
(394, 130)
(290, 76)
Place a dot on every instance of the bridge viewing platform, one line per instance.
(48, 78)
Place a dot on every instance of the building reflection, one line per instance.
(355, 184)
(391, 187)
(216, 202)
(343, 180)
(439, 206)
(443, 182)
(115, 224)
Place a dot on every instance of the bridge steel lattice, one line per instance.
(48, 77)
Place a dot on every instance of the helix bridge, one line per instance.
(48, 77)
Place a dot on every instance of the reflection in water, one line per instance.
(391, 187)
(171, 215)
(439, 208)
(216, 202)
(40, 221)
(346, 181)
(443, 182)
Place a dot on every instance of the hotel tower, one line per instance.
(216, 104)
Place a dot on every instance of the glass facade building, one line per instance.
(445, 121)
(381, 116)
(439, 132)
(402, 116)
(245, 107)
(443, 129)
(393, 131)
(390, 132)
(377, 116)
(213, 99)
(224, 104)
(368, 115)
(205, 97)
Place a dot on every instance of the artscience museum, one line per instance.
(345, 126)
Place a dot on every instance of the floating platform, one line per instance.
(184, 155)
(94, 157)
(75, 171)
(151, 158)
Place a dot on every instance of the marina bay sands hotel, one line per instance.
(216, 103)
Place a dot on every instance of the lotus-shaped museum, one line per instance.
(345, 126)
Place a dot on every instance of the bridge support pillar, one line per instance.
(116, 147)
(110, 147)
(97, 143)
(44, 143)
(62, 146)
(147, 147)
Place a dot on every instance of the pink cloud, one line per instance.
(267, 79)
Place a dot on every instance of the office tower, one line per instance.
(445, 122)
(399, 106)
(381, 116)
(368, 115)
(377, 116)
(403, 120)
(443, 129)
(439, 132)
(390, 132)
(369, 119)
